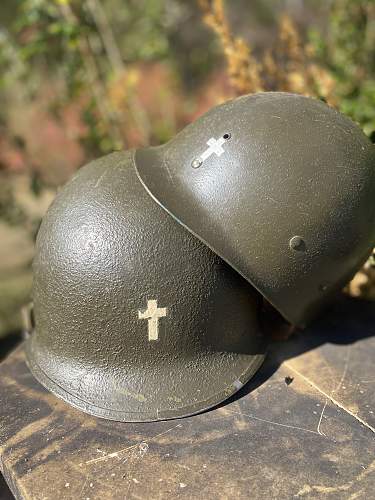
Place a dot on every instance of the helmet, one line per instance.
(281, 186)
(135, 319)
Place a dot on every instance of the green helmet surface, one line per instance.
(135, 319)
(281, 186)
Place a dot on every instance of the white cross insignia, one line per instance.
(214, 147)
(153, 313)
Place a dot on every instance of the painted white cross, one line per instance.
(215, 146)
(152, 314)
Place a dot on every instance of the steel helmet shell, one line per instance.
(281, 186)
(135, 319)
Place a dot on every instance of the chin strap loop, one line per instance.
(28, 324)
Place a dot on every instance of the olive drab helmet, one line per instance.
(281, 186)
(135, 318)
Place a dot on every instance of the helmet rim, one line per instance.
(148, 415)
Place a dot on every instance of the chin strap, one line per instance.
(27, 314)
(273, 325)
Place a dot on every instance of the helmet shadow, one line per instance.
(347, 321)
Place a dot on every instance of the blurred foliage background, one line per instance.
(80, 78)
